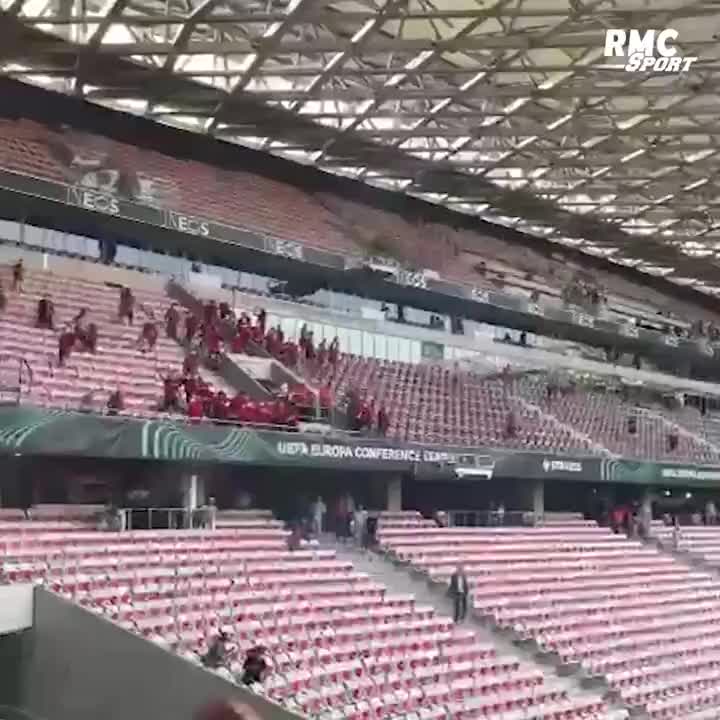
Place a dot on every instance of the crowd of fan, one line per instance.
(205, 340)
(245, 332)
(584, 293)
(186, 391)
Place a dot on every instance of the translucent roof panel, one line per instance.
(506, 109)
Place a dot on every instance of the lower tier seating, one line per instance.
(340, 645)
(646, 622)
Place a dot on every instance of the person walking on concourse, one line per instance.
(459, 591)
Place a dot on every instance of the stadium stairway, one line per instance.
(693, 432)
(341, 646)
(403, 580)
(583, 439)
(698, 547)
(257, 370)
(634, 619)
(232, 372)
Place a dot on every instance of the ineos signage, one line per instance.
(186, 223)
(93, 200)
(286, 248)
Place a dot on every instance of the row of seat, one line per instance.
(341, 646)
(118, 363)
(285, 211)
(619, 608)
(430, 403)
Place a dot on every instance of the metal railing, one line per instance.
(162, 518)
(492, 518)
(16, 377)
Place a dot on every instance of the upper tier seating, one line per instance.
(604, 417)
(426, 403)
(645, 621)
(117, 362)
(286, 211)
(433, 404)
(339, 644)
(242, 199)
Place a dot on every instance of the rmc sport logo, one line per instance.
(651, 51)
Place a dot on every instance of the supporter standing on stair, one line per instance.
(18, 276)
(45, 314)
(318, 514)
(172, 320)
(459, 591)
(126, 310)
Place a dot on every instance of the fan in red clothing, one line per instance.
(195, 408)
(225, 312)
(257, 334)
(210, 313)
(265, 412)
(126, 310)
(271, 341)
(18, 275)
(191, 364)
(325, 396)
(322, 352)
(213, 345)
(334, 351)
(220, 406)
(261, 321)
(205, 395)
(148, 337)
(310, 352)
(235, 406)
(303, 398)
(284, 413)
(90, 340)
(289, 354)
(366, 414)
(172, 320)
(241, 339)
(45, 314)
(66, 343)
(191, 327)
(326, 400)
(383, 422)
(171, 399)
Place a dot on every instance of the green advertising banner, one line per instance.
(35, 431)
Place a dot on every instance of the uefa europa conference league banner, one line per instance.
(372, 453)
(36, 431)
(104, 203)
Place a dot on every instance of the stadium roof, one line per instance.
(505, 109)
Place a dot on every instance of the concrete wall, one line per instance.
(77, 666)
(11, 646)
(16, 608)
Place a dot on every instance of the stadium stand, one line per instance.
(633, 624)
(425, 402)
(699, 542)
(117, 361)
(620, 609)
(251, 201)
(340, 645)
(277, 209)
